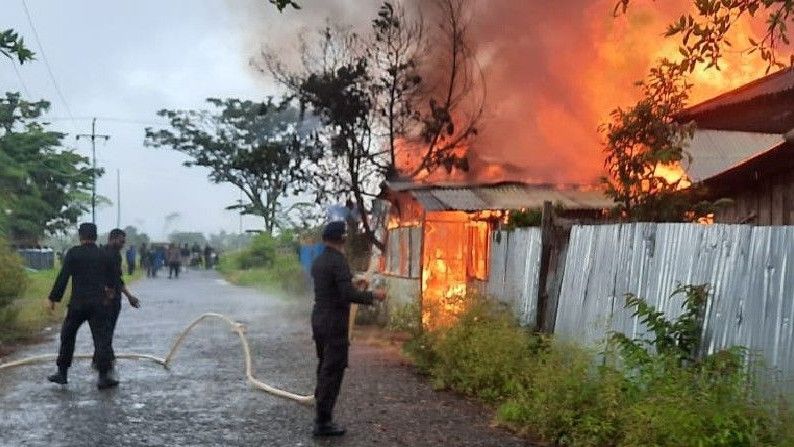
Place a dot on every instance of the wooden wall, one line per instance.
(765, 200)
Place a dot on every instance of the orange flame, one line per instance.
(558, 73)
(673, 174)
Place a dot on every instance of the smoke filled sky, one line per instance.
(552, 75)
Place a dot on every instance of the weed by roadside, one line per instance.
(655, 392)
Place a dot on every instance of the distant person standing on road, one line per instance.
(333, 293)
(207, 257)
(145, 264)
(131, 254)
(160, 259)
(195, 253)
(91, 271)
(174, 257)
(184, 254)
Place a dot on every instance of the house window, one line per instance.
(402, 253)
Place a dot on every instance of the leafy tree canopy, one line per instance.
(12, 46)
(283, 4)
(261, 148)
(45, 189)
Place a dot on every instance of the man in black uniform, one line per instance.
(91, 271)
(116, 240)
(333, 293)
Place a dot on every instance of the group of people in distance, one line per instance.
(157, 256)
(97, 287)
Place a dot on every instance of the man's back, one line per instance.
(90, 269)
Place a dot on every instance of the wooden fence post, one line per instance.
(546, 238)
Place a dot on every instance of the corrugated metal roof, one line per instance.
(716, 151)
(502, 196)
(777, 82)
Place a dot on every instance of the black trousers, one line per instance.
(173, 268)
(97, 316)
(332, 361)
(112, 315)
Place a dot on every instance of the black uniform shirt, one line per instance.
(91, 271)
(333, 293)
(118, 273)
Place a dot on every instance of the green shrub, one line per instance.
(12, 275)
(485, 354)
(406, 318)
(261, 253)
(656, 392)
(269, 263)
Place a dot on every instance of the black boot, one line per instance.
(59, 377)
(106, 381)
(328, 429)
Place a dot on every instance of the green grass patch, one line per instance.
(269, 264)
(28, 314)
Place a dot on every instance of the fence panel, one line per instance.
(514, 269)
(750, 271)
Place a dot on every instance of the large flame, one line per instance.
(553, 74)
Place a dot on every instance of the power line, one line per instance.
(47, 64)
(137, 121)
(22, 81)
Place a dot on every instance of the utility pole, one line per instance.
(93, 136)
(118, 198)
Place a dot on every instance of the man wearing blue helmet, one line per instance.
(333, 293)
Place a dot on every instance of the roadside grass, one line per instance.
(270, 265)
(29, 312)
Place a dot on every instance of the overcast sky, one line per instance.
(123, 61)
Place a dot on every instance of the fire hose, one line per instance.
(168, 359)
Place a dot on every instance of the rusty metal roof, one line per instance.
(502, 196)
(778, 82)
(716, 151)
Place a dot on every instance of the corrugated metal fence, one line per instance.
(750, 270)
(514, 271)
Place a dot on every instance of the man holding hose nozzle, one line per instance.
(333, 293)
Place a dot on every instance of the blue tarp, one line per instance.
(308, 253)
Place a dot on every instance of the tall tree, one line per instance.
(644, 138)
(45, 188)
(260, 148)
(372, 102)
(336, 87)
(451, 104)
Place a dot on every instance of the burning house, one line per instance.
(743, 150)
(439, 237)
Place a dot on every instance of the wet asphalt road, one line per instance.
(204, 399)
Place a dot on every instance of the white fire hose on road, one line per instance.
(166, 362)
